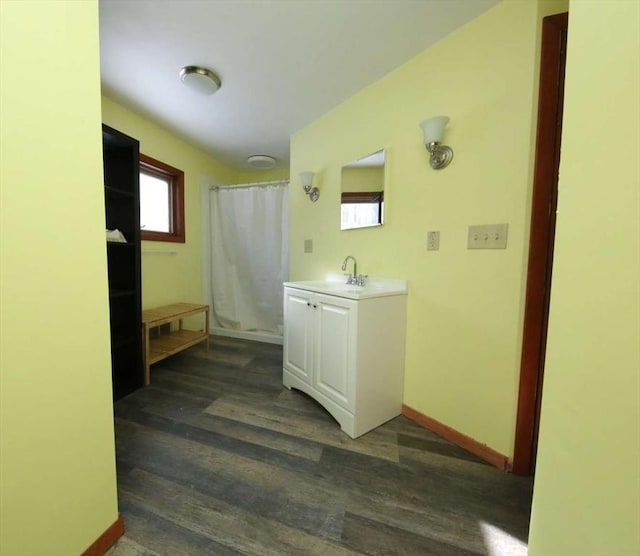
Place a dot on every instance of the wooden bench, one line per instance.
(162, 346)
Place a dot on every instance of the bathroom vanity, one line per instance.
(344, 346)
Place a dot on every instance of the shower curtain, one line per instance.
(249, 255)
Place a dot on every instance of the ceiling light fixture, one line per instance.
(261, 161)
(200, 80)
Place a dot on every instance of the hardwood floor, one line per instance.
(217, 457)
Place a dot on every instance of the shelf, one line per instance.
(117, 192)
(165, 345)
(120, 157)
(122, 293)
(118, 342)
(171, 313)
(160, 347)
(120, 244)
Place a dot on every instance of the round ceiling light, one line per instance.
(200, 80)
(261, 161)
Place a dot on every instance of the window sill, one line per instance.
(161, 236)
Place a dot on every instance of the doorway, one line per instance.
(541, 240)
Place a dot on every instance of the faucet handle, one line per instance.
(349, 278)
(361, 279)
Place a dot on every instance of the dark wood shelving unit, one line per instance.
(122, 206)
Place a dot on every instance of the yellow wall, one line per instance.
(177, 277)
(57, 454)
(250, 176)
(362, 179)
(587, 487)
(465, 308)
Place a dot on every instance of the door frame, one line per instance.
(542, 231)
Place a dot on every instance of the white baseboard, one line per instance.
(265, 337)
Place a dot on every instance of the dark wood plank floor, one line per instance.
(217, 457)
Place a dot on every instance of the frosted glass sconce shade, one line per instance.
(433, 130)
(306, 179)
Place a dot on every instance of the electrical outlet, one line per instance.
(487, 236)
(433, 241)
(308, 246)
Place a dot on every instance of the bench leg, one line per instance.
(145, 341)
(206, 325)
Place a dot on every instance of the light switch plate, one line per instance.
(433, 240)
(308, 246)
(487, 236)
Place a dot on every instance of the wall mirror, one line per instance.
(362, 192)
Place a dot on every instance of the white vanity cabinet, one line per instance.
(346, 350)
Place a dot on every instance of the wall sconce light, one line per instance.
(433, 130)
(306, 178)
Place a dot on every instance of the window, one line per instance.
(360, 210)
(161, 201)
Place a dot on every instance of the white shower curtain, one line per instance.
(249, 256)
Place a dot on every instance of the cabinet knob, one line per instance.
(308, 304)
(315, 306)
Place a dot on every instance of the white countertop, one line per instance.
(335, 284)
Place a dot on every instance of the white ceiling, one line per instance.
(283, 63)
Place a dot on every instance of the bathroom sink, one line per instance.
(335, 284)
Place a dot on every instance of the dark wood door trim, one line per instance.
(545, 186)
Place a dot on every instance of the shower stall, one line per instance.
(245, 258)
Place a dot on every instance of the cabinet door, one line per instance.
(335, 348)
(297, 338)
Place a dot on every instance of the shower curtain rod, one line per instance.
(252, 184)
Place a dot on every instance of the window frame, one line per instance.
(175, 178)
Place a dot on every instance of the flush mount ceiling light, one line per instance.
(200, 80)
(261, 161)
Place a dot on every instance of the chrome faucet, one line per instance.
(353, 278)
